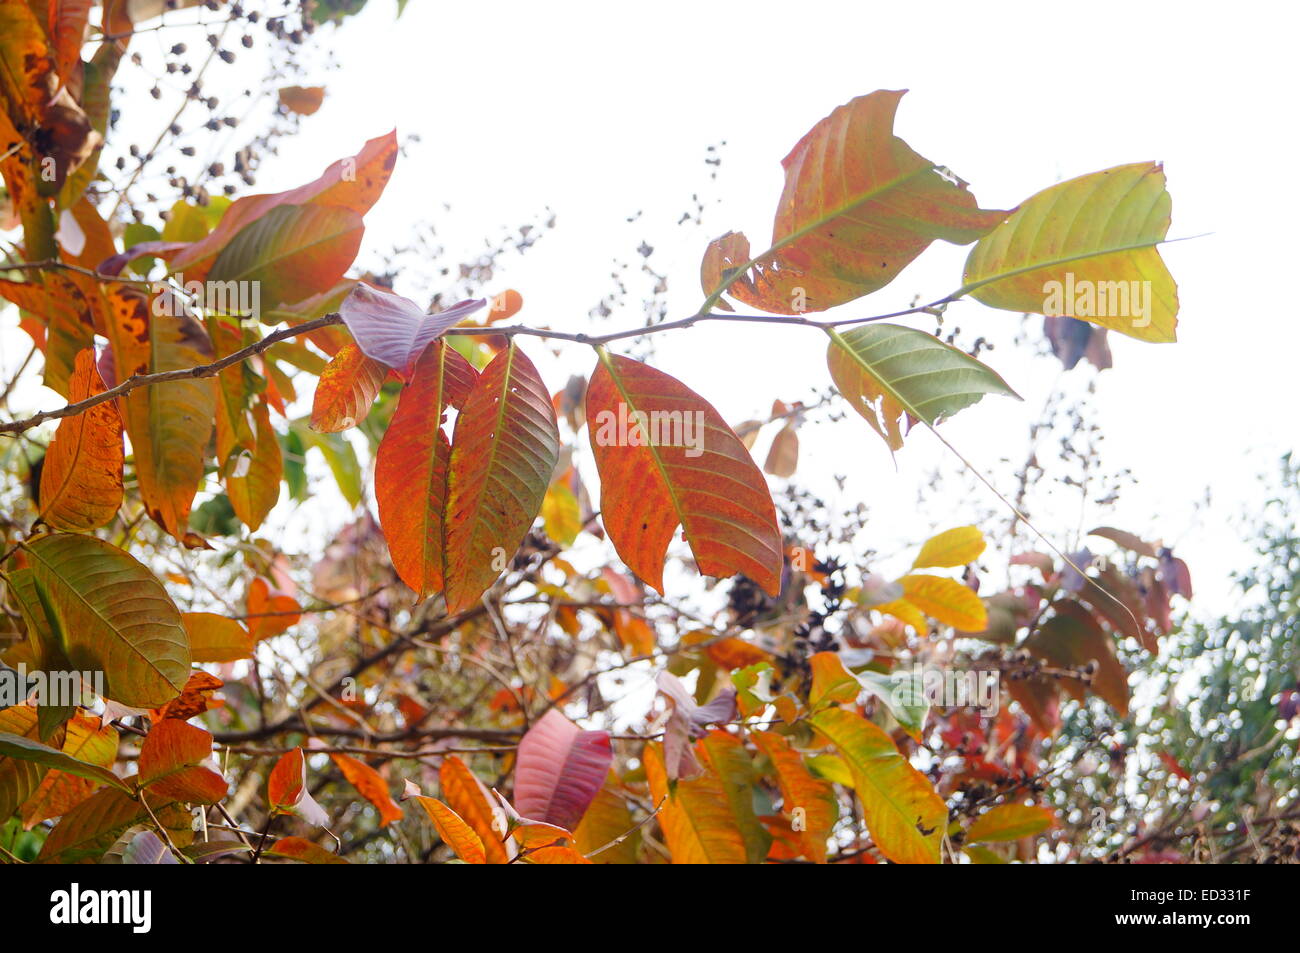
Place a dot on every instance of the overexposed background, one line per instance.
(604, 114)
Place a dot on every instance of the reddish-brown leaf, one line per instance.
(667, 458)
(411, 467)
(505, 449)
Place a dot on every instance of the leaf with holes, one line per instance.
(667, 458)
(111, 615)
(503, 453)
(169, 424)
(347, 388)
(1086, 248)
(81, 481)
(858, 206)
(893, 376)
(411, 468)
(559, 771)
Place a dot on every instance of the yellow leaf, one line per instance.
(1010, 822)
(947, 601)
(951, 548)
(452, 828)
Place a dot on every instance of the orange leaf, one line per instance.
(214, 638)
(697, 822)
(353, 183)
(303, 100)
(347, 389)
(411, 467)
(453, 830)
(858, 206)
(81, 482)
(667, 458)
(169, 763)
(468, 797)
(809, 800)
(371, 786)
(270, 611)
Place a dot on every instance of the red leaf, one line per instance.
(560, 770)
(411, 467)
(169, 763)
(286, 789)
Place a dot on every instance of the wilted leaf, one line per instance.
(395, 331)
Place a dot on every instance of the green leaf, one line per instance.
(111, 615)
(889, 373)
(1094, 237)
(1010, 822)
(26, 749)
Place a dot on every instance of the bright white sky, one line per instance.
(599, 111)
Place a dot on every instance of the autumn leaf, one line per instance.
(270, 611)
(286, 789)
(469, 798)
(560, 768)
(858, 206)
(946, 600)
(81, 481)
(411, 468)
(370, 785)
(111, 615)
(904, 815)
(666, 458)
(1010, 822)
(453, 830)
(812, 797)
(346, 390)
(170, 763)
(303, 100)
(503, 454)
(1087, 248)
(951, 548)
(395, 331)
(696, 817)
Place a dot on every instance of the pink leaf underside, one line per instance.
(395, 330)
(560, 770)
